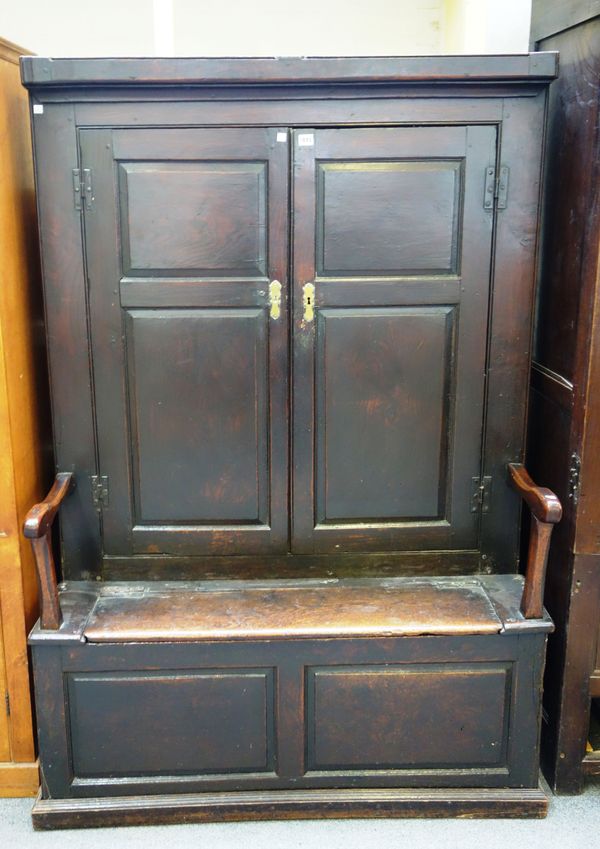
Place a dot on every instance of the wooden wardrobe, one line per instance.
(289, 307)
(24, 428)
(565, 407)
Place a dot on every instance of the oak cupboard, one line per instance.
(289, 308)
(24, 437)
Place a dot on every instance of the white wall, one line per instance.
(265, 27)
(486, 26)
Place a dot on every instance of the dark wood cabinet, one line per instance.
(565, 405)
(289, 308)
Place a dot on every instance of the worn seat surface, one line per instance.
(236, 610)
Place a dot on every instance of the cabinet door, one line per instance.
(186, 231)
(391, 231)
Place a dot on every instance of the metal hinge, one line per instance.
(480, 496)
(83, 192)
(7, 702)
(574, 476)
(99, 491)
(495, 187)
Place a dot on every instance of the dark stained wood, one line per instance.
(52, 732)
(40, 71)
(552, 386)
(564, 425)
(395, 432)
(202, 438)
(56, 154)
(546, 511)
(401, 106)
(405, 659)
(279, 804)
(188, 239)
(508, 363)
(341, 565)
(393, 387)
(39, 519)
(409, 366)
(550, 18)
(500, 545)
(78, 599)
(532, 603)
(542, 502)
(471, 728)
(195, 448)
(131, 724)
(38, 528)
(404, 606)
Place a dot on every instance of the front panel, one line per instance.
(392, 249)
(171, 722)
(137, 718)
(403, 728)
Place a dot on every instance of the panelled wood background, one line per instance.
(24, 428)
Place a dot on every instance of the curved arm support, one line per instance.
(546, 511)
(38, 528)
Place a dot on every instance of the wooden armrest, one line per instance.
(542, 502)
(37, 528)
(546, 511)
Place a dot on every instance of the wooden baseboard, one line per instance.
(281, 804)
(19, 779)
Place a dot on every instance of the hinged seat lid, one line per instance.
(287, 610)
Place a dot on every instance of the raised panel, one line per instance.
(425, 716)
(199, 414)
(388, 217)
(145, 723)
(383, 400)
(196, 218)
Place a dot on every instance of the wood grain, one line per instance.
(400, 607)
(19, 779)
(24, 426)
(77, 72)
(37, 528)
(275, 805)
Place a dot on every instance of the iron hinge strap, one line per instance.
(480, 498)
(99, 491)
(83, 188)
(574, 477)
(496, 187)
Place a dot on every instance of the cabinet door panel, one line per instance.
(199, 415)
(167, 230)
(363, 206)
(382, 390)
(390, 229)
(187, 231)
